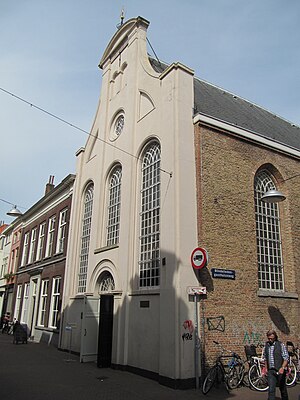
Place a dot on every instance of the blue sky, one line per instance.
(50, 52)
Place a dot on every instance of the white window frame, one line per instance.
(85, 237)
(43, 302)
(41, 241)
(55, 299)
(24, 313)
(25, 249)
(268, 236)
(4, 266)
(149, 259)
(114, 206)
(32, 245)
(50, 236)
(62, 230)
(18, 302)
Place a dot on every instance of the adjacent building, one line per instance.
(11, 242)
(39, 278)
(3, 266)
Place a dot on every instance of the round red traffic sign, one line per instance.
(199, 258)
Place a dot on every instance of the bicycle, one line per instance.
(258, 374)
(229, 373)
(294, 353)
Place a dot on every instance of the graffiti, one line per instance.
(252, 337)
(189, 327)
(187, 336)
(216, 323)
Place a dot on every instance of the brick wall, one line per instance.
(226, 167)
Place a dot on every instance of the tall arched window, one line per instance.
(268, 238)
(114, 204)
(149, 261)
(85, 237)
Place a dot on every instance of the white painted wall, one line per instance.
(155, 106)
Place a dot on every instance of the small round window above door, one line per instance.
(107, 283)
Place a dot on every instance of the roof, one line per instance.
(3, 227)
(220, 104)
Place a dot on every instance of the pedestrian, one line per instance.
(6, 320)
(277, 359)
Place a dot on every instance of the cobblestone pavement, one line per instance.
(36, 371)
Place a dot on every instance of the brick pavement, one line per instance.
(37, 371)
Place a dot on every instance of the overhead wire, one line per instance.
(74, 126)
(12, 204)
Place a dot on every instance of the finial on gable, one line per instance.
(122, 17)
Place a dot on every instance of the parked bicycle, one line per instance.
(294, 353)
(258, 373)
(224, 372)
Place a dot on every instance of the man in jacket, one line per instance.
(277, 359)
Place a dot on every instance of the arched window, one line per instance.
(149, 261)
(268, 238)
(85, 237)
(114, 204)
(107, 283)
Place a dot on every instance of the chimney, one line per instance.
(49, 185)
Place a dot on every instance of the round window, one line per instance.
(117, 127)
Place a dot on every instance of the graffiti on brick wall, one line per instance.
(252, 337)
(250, 332)
(216, 323)
(188, 330)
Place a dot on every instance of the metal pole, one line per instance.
(196, 342)
(70, 342)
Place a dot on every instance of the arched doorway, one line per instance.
(106, 287)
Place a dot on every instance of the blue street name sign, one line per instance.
(223, 273)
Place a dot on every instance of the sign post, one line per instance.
(69, 329)
(198, 260)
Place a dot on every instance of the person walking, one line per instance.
(277, 359)
(6, 320)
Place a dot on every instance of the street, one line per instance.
(36, 371)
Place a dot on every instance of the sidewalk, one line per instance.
(37, 371)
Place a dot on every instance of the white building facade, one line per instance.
(133, 222)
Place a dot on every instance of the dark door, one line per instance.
(105, 331)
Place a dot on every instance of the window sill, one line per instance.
(101, 249)
(145, 292)
(46, 329)
(278, 294)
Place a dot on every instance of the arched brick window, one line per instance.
(268, 238)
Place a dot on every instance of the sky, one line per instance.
(49, 56)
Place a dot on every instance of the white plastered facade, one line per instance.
(155, 107)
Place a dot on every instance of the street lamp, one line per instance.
(273, 196)
(14, 212)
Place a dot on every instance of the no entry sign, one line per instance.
(199, 258)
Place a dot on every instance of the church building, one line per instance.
(174, 164)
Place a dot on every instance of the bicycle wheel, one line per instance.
(245, 380)
(209, 380)
(291, 374)
(241, 370)
(232, 378)
(257, 380)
